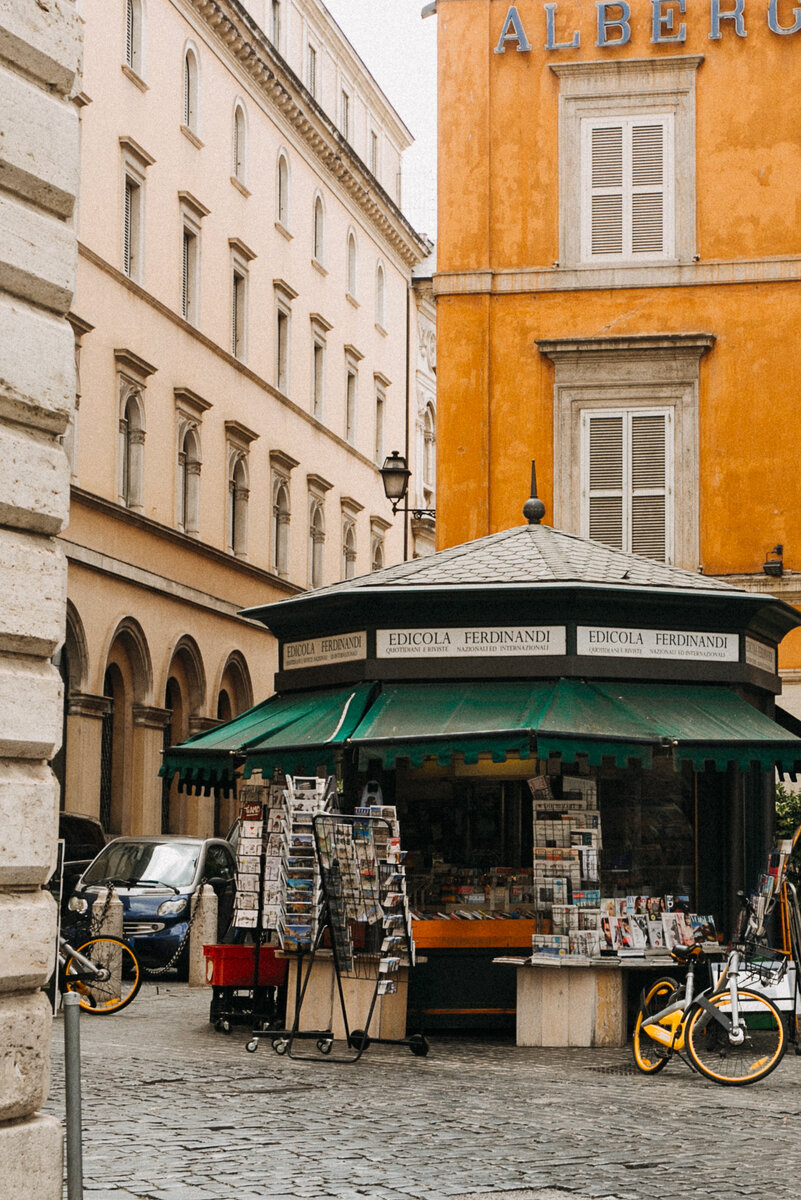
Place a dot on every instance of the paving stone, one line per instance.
(200, 1119)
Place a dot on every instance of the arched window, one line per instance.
(282, 197)
(316, 546)
(379, 296)
(239, 162)
(281, 530)
(189, 482)
(133, 35)
(238, 493)
(132, 451)
(352, 265)
(191, 92)
(429, 449)
(348, 550)
(377, 557)
(318, 234)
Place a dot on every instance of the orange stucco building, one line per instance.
(619, 278)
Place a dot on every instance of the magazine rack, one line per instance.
(363, 885)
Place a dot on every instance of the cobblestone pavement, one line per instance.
(174, 1111)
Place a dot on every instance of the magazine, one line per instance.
(656, 933)
(670, 924)
(639, 931)
(703, 927)
(610, 936)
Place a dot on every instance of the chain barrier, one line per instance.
(96, 921)
(154, 972)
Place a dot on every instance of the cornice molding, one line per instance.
(515, 281)
(268, 72)
(110, 565)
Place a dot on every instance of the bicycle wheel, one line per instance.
(760, 1051)
(120, 979)
(651, 1056)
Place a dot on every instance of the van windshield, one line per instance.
(130, 862)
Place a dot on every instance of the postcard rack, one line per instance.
(362, 889)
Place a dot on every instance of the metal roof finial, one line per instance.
(534, 509)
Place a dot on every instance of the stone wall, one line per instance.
(40, 47)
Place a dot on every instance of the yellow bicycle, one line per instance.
(731, 1033)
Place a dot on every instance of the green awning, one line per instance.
(420, 720)
(326, 721)
(598, 721)
(322, 719)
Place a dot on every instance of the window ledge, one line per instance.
(381, 329)
(135, 78)
(240, 187)
(318, 266)
(191, 136)
(282, 229)
(351, 299)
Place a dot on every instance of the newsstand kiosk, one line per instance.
(571, 737)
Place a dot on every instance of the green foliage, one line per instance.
(788, 811)
(788, 818)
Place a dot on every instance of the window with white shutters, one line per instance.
(627, 188)
(132, 228)
(626, 479)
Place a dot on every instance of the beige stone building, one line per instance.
(40, 48)
(249, 348)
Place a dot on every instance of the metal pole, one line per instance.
(72, 1080)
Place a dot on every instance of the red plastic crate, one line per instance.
(232, 966)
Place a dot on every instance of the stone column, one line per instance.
(84, 738)
(148, 742)
(39, 163)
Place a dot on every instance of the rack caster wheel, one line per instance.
(218, 1024)
(252, 1046)
(325, 1045)
(418, 1045)
(280, 1045)
(359, 1040)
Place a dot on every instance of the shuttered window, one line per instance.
(627, 480)
(627, 188)
(131, 228)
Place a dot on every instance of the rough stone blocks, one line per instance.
(26, 1023)
(31, 1154)
(27, 941)
(28, 830)
(39, 152)
(43, 40)
(37, 385)
(38, 255)
(30, 701)
(33, 585)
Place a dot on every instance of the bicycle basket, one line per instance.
(764, 966)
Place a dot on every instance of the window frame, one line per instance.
(617, 89)
(239, 311)
(191, 90)
(133, 56)
(380, 296)
(626, 190)
(283, 190)
(352, 261)
(276, 24)
(239, 143)
(312, 68)
(627, 490)
(318, 229)
(659, 371)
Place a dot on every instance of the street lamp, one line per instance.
(395, 476)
